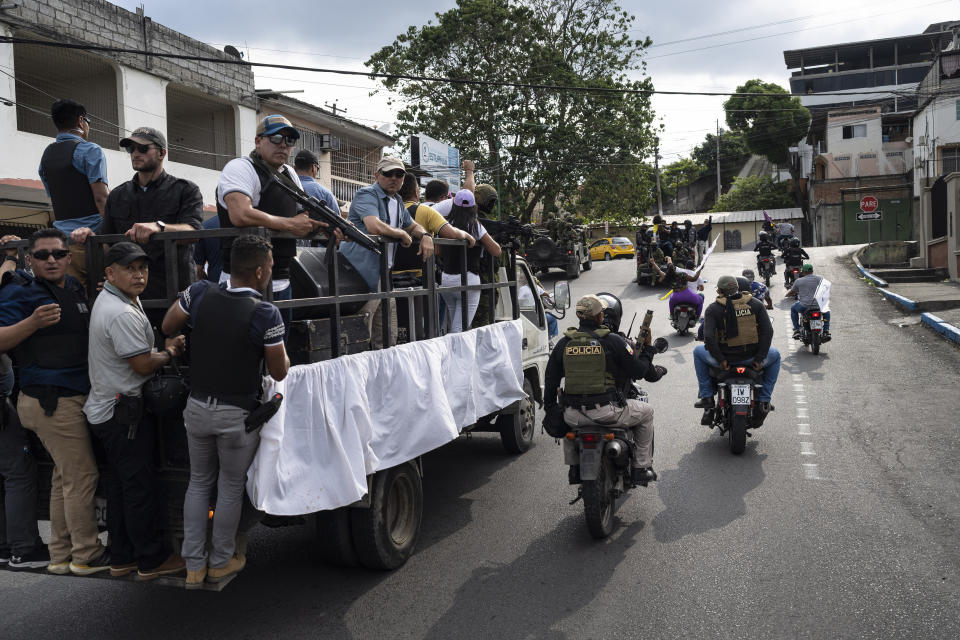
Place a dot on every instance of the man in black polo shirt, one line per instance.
(153, 202)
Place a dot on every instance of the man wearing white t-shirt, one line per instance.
(246, 197)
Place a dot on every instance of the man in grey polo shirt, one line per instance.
(123, 357)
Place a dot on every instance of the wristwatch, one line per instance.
(162, 225)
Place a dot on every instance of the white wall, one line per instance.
(872, 143)
(938, 122)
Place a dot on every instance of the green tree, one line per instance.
(679, 174)
(733, 154)
(755, 192)
(538, 144)
(620, 192)
(772, 121)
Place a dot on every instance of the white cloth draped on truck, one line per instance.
(343, 419)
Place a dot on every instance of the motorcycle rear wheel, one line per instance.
(738, 434)
(598, 503)
(815, 342)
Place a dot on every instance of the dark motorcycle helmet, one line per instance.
(749, 274)
(613, 313)
(795, 243)
(763, 236)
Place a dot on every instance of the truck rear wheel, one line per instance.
(517, 429)
(335, 538)
(588, 264)
(573, 269)
(384, 535)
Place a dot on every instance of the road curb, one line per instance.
(903, 301)
(945, 329)
(880, 282)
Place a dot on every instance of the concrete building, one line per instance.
(936, 146)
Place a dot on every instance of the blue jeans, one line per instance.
(553, 328)
(702, 361)
(798, 308)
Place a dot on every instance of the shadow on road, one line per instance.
(707, 489)
(558, 574)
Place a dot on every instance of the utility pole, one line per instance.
(718, 159)
(656, 166)
(333, 107)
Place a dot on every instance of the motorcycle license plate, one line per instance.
(816, 324)
(740, 394)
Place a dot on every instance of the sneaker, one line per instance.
(4, 555)
(102, 563)
(173, 564)
(796, 334)
(236, 565)
(643, 475)
(120, 570)
(59, 568)
(704, 403)
(36, 559)
(573, 475)
(195, 578)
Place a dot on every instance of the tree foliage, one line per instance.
(770, 120)
(679, 174)
(621, 192)
(537, 144)
(755, 192)
(733, 154)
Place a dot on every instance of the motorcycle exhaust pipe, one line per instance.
(616, 450)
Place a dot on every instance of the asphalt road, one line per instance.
(841, 520)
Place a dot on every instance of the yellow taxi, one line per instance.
(609, 248)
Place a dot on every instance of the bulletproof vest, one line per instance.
(406, 258)
(276, 203)
(746, 322)
(63, 345)
(585, 364)
(792, 255)
(224, 361)
(452, 257)
(69, 189)
(766, 248)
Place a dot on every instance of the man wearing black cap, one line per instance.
(308, 169)
(124, 358)
(736, 330)
(152, 202)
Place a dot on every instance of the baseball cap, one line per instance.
(590, 306)
(484, 192)
(389, 163)
(806, 268)
(145, 133)
(305, 156)
(464, 198)
(749, 274)
(275, 123)
(728, 284)
(123, 253)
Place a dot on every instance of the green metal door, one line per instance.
(895, 223)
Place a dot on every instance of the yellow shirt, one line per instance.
(428, 218)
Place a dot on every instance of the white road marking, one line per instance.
(806, 449)
(811, 471)
(803, 429)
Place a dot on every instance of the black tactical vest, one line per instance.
(406, 258)
(276, 203)
(224, 361)
(452, 257)
(63, 345)
(69, 189)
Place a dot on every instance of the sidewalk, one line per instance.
(937, 302)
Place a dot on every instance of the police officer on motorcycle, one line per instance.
(765, 249)
(597, 364)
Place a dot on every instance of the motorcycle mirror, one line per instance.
(561, 294)
(661, 345)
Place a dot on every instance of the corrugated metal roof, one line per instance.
(737, 216)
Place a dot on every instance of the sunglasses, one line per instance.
(396, 173)
(85, 118)
(142, 148)
(44, 254)
(279, 138)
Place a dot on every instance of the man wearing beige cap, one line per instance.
(378, 210)
(595, 365)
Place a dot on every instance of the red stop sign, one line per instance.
(869, 204)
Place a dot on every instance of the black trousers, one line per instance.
(136, 503)
(18, 486)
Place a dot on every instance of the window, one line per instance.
(599, 243)
(854, 131)
(958, 109)
(949, 160)
(621, 241)
(527, 298)
(200, 131)
(46, 74)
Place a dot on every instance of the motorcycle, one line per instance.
(736, 411)
(684, 318)
(811, 329)
(790, 275)
(605, 455)
(767, 268)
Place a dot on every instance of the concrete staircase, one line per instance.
(895, 273)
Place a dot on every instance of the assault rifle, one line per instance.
(322, 212)
(510, 229)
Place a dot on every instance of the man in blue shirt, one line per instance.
(378, 210)
(74, 174)
(44, 325)
(307, 166)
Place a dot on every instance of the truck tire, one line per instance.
(542, 249)
(588, 264)
(385, 534)
(573, 270)
(517, 429)
(335, 538)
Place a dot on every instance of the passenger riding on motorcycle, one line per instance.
(805, 289)
(765, 249)
(596, 365)
(736, 331)
(757, 289)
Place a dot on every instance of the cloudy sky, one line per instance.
(699, 45)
